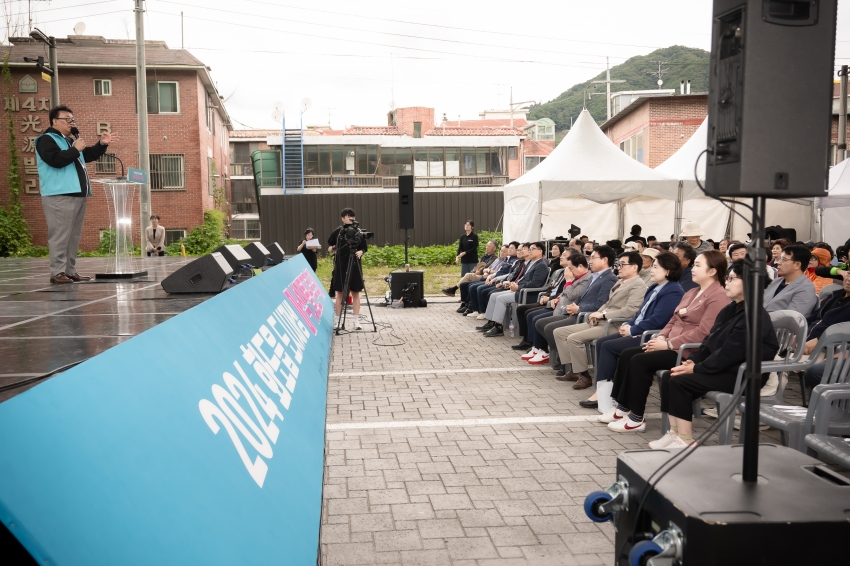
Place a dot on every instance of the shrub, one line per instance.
(203, 239)
(393, 256)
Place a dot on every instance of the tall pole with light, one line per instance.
(53, 70)
(142, 108)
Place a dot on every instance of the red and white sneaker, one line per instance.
(627, 425)
(613, 414)
(541, 358)
(530, 354)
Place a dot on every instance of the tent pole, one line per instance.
(677, 224)
(540, 209)
(729, 222)
(621, 205)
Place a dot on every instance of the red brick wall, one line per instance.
(405, 117)
(184, 133)
(672, 122)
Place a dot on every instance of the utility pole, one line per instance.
(53, 70)
(142, 103)
(607, 82)
(659, 73)
(841, 153)
(515, 104)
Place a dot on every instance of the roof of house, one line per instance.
(538, 147)
(519, 122)
(94, 51)
(372, 131)
(250, 134)
(475, 131)
(637, 102)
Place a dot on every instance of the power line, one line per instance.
(497, 59)
(348, 28)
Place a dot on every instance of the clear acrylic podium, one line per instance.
(122, 263)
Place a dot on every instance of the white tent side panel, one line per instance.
(710, 214)
(597, 221)
(521, 219)
(836, 226)
(655, 216)
(779, 212)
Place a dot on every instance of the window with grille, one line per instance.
(245, 229)
(102, 87)
(167, 172)
(172, 236)
(163, 97)
(105, 163)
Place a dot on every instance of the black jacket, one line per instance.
(725, 347)
(468, 244)
(50, 153)
(835, 310)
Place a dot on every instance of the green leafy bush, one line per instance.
(203, 239)
(393, 256)
(14, 230)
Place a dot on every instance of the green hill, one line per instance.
(683, 63)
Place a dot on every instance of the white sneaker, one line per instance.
(542, 357)
(613, 414)
(677, 443)
(336, 323)
(627, 425)
(664, 441)
(473, 313)
(482, 316)
(530, 354)
(357, 325)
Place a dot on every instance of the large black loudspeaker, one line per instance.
(259, 254)
(207, 274)
(236, 256)
(770, 97)
(405, 202)
(277, 253)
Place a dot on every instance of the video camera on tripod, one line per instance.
(352, 235)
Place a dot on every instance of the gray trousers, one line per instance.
(65, 215)
(547, 326)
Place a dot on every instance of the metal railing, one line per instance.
(374, 181)
(241, 170)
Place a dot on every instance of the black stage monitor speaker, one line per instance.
(207, 274)
(277, 253)
(259, 254)
(405, 202)
(770, 97)
(236, 255)
(399, 280)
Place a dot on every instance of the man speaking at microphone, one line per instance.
(61, 156)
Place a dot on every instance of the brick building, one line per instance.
(652, 128)
(188, 127)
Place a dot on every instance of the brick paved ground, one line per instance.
(476, 492)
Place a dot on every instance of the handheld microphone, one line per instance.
(75, 132)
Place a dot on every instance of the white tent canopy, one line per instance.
(584, 165)
(680, 165)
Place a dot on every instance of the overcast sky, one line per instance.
(353, 59)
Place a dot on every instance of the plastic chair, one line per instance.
(659, 375)
(829, 289)
(791, 329)
(835, 450)
(834, 344)
(511, 313)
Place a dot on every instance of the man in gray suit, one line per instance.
(791, 289)
(595, 294)
(624, 301)
(534, 277)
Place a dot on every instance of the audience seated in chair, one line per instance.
(547, 302)
(686, 254)
(595, 288)
(532, 276)
(624, 301)
(691, 322)
(792, 290)
(714, 366)
(510, 263)
(477, 272)
(835, 309)
(659, 304)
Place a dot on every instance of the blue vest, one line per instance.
(59, 181)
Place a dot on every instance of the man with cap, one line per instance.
(692, 232)
(648, 256)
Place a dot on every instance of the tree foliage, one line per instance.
(14, 230)
(682, 63)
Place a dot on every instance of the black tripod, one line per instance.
(353, 261)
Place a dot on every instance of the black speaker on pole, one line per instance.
(770, 97)
(236, 256)
(259, 254)
(207, 274)
(277, 253)
(405, 202)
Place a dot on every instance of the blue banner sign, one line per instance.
(200, 441)
(137, 175)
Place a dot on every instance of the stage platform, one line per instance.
(44, 326)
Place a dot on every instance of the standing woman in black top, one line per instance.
(310, 254)
(467, 249)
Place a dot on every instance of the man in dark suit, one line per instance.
(594, 296)
(534, 277)
(496, 284)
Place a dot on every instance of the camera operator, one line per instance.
(338, 244)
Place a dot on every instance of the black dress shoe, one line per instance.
(462, 308)
(561, 372)
(589, 404)
(522, 346)
(558, 367)
(490, 324)
(495, 331)
(449, 292)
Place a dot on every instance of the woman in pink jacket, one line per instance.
(692, 321)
